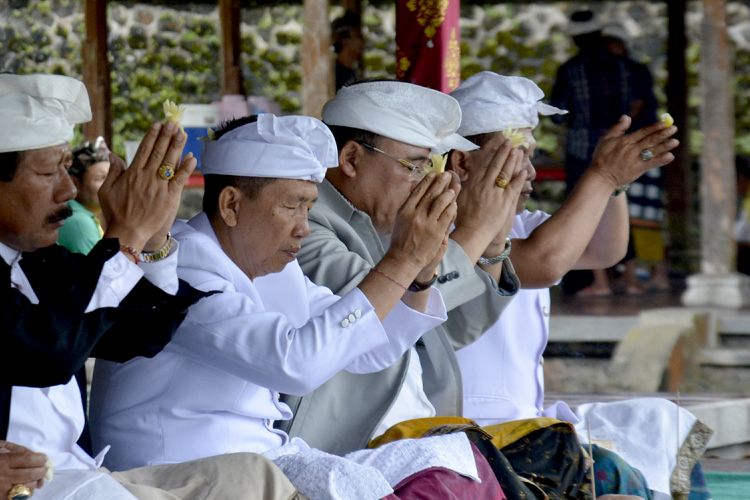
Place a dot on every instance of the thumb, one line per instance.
(619, 128)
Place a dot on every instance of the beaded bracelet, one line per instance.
(389, 278)
(491, 261)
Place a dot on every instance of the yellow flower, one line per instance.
(516, 137)
(667, 119)
(173, 113)
(210, 135)
(438, 163)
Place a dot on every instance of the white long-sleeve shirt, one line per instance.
(214, 389)
(502, 372)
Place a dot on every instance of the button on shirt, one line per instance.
(50, 420)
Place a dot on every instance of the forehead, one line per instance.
(401, 148)
(290, 189)
(51, 155)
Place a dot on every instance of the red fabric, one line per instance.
(444, 484)
(428, 43)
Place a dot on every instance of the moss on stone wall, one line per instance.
(163, 51)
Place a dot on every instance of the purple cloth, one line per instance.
(445, 484)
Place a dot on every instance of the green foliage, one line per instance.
(177, 56)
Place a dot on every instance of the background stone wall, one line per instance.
(161, 52)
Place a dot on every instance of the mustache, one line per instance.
(60, 215)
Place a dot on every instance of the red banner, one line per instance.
(428, 43)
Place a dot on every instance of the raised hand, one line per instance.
(423, 222)
(141, 202)
(621, 158)
(19, 465)
(489, 196)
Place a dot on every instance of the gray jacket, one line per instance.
(343, 246)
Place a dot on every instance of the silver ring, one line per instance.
(646, 155)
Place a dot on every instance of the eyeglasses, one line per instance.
(417, 168)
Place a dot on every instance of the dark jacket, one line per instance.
(45, 344)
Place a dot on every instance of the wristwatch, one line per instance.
(160, 254)
(421, 287)
(488, 261)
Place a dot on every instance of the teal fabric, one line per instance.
(80, 231)
(728, 485)
(614, 476)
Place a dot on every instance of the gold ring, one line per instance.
(501, 182)
(19, 492)
(165, 172)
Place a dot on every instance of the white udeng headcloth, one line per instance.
(284, 147)
(491, 103)
(39, 111)
(401, 111)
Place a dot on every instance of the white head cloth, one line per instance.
(285, 147)
(401, 111)
(491, 103)
(39, 111)
(590, 25)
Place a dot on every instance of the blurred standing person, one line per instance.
(89, 169)
(349, 45)
(597, 87)
(645, 197)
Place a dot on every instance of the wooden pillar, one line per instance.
(230, 13)
(678, 177)
(96, 71)
(317, 64)
(718, 284)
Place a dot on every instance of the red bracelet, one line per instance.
(130, 252)
(388, 278)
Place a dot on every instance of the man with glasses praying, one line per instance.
(385, 133)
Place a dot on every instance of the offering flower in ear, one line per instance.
(438, 163)
(516, 137)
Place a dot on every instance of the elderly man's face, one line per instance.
(269, 228)
(385, 183)
(527, 165)
(33, 205)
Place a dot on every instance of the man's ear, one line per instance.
(349, 158)
(460, 162)
(230, 200)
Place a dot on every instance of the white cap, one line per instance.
(39, 111)
(284, 147)
(589, 24)
(401, 111)
(491, 103)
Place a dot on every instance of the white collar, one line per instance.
(9, 255)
